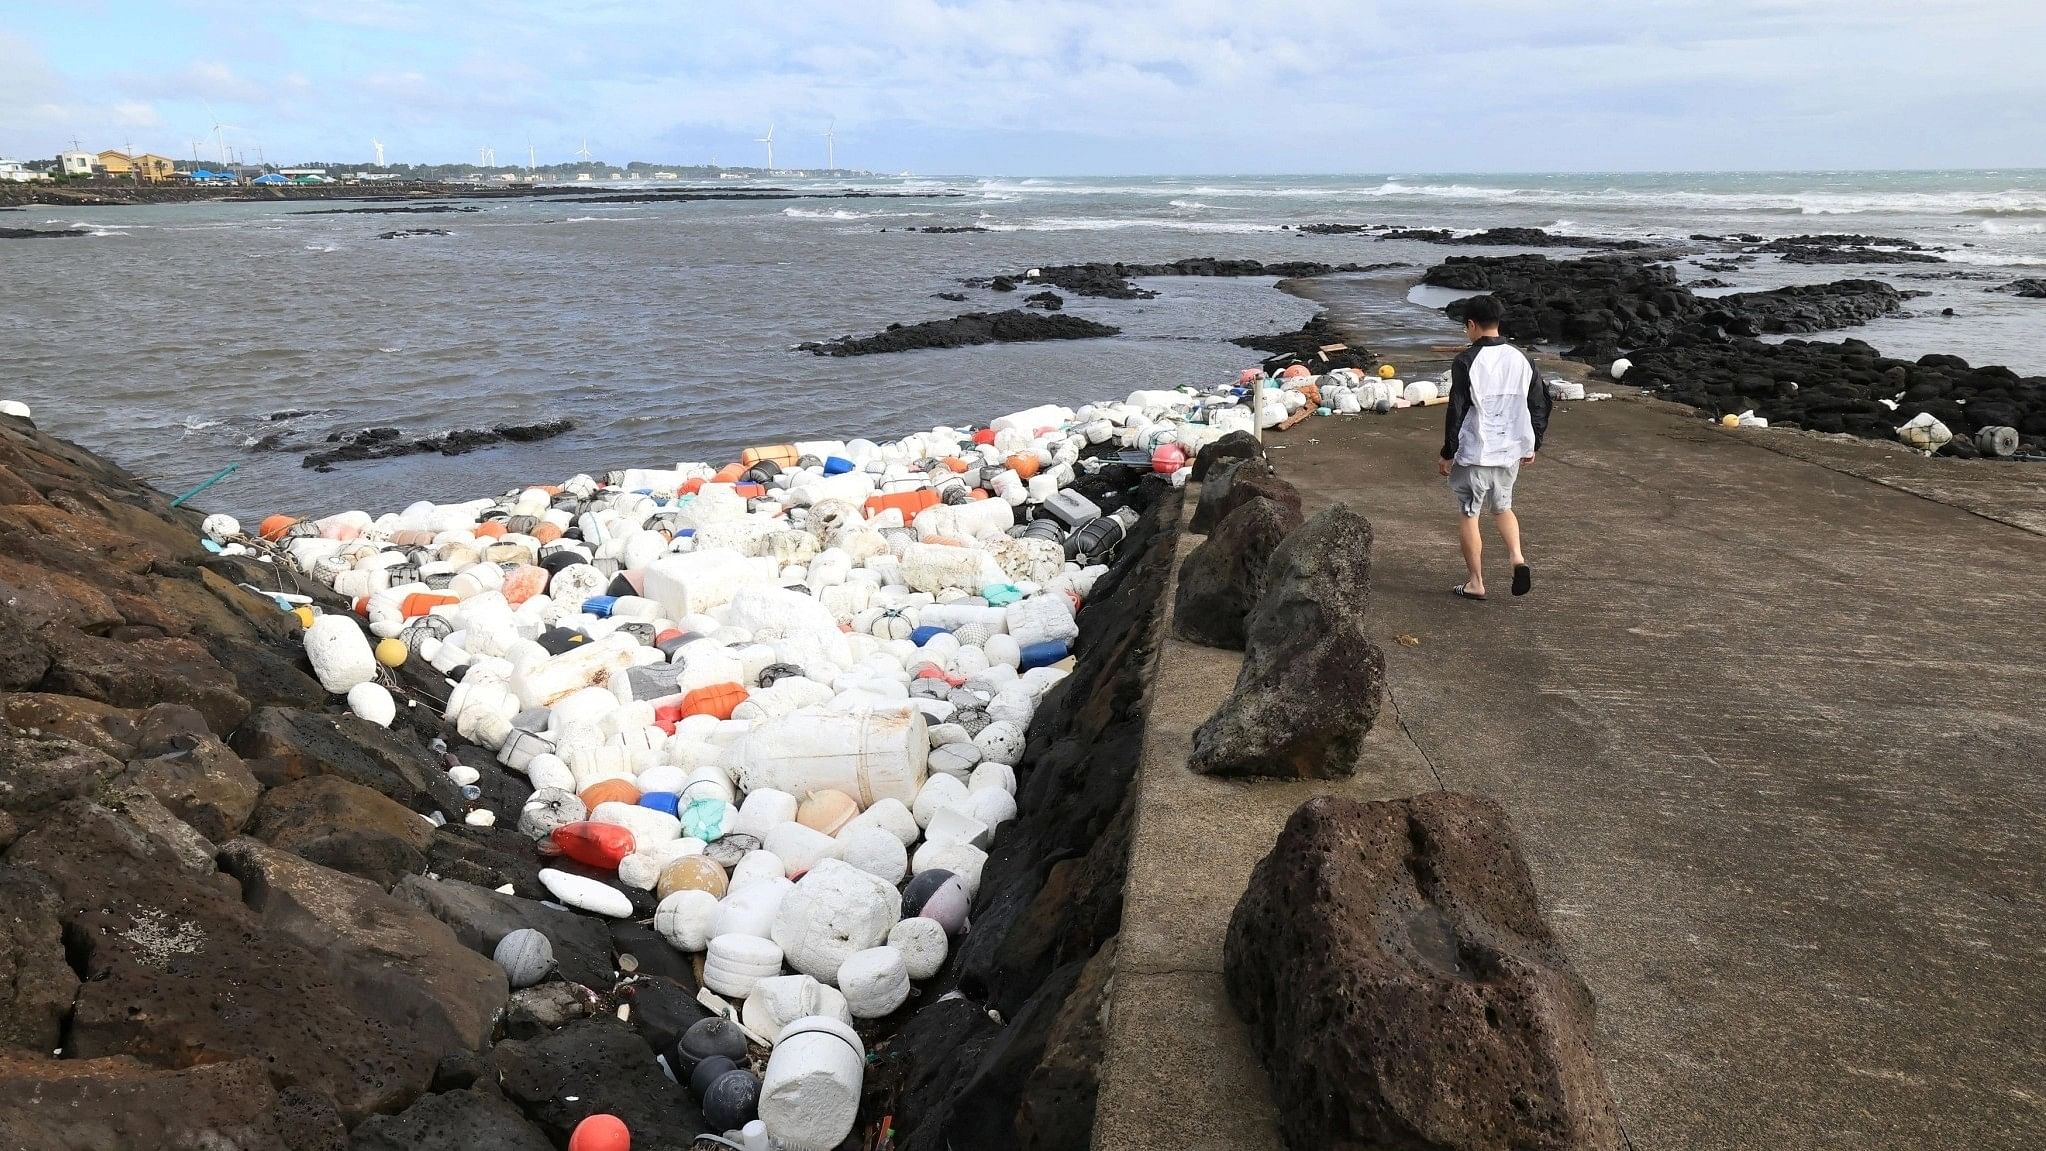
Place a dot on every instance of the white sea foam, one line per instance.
(843, 214)
(1082, 224)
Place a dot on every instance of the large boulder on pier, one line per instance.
(1402, 988)
(1225, 576)
(1309, 686)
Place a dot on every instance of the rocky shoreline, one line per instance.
(242, 917)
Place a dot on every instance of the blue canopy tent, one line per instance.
(270, 179)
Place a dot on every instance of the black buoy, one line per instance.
(732, 1101)
(705, 1039)
(707, 1073)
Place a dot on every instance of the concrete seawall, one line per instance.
(1768, 730)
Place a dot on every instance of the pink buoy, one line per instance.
(1167, 459)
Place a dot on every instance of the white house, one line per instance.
(75, 163)
(18, 172)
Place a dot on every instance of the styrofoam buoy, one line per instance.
(994, 807)
(890, 815)
(549, 808)
(526, 956)
(586, 894)
(734, 963)
(875, 982)
(834, 911)
(372, 702)
(799, 847)
(961, 859)
(750, 910)
(15, 408)
(876, 851)
(939, 792)
(1620, 367)
(765, 809)
(923, 944)
(810, 1096)
(776, 1001)
(340, 653)
(1000, 742)
(684, 919)
(220, 528)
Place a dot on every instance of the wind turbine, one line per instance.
(769, 141)
(583, 152)
(831, 146)
(378, 146)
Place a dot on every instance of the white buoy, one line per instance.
(220, 527)
(1620, 366)
(15, 408)
(526, 956)
(733, 964)
(923, 944)
(586, 894)
(875, 982)
(684, 919)
(876, 851)
(834, 911)
(370, 701)
(340, 653)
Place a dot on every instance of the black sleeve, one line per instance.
(1537, 402)
(1459, 404)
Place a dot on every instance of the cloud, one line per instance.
(1150, 84)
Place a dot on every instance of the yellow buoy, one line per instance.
(304, 614)
(391, 651)
(1729, 421)
(1387, 371)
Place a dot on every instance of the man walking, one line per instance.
(1498, 410)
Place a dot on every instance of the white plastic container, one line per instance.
(869, 755)
(810, 1096)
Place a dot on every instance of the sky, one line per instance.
(1044, 87)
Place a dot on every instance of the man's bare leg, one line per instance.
(1509, 530)
(1473, 555)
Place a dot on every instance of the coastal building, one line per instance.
(76, 163)
(17, 172)
(147, 166)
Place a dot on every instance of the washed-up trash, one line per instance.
(600, 1133)
(1562, 389)
(810, 1096)
(526, 956)
(1924, 432)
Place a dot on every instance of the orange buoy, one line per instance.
(601, 1133)
(908, 503)
(729, 474)
(957, 465)
(1295, 371)
(1023, 464)
(751, 491)
(489, 530)
(547, 532)
(609, 791)
(420, 603)
(273, 527)
(523, 583)
(718, 699)
(827, 811)
(784, 455)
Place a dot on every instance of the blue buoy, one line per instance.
(924, 635)
(1043, 654)
(837, 465)
(600, 605)
(666, 801)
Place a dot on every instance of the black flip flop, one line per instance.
(1459, 593)
(1523, 579)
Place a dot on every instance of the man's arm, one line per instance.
(1537, 402)
(1459, 405)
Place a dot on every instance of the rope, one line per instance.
(208, 482)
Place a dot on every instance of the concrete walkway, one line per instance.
(1772, 730)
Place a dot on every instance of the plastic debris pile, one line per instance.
(785, 698)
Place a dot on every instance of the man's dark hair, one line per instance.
(1484, 311)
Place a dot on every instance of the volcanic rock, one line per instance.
(36, 985)
(176, 971)
(466, 1120)
(1317, 344)
(1013, 326)
(202, 783)
(596, 1066)
(1048, 301)
(409, 967)
(1223, 577)
(1235, 445)
(1308, 689)
(143, 672)
(1402, 988)
(383, 443)
(282, 744)
(117, 1103)
(2032, 289)
(481, 917)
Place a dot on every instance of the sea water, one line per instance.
(182, 338)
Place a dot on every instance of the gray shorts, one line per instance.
(1483, 487)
